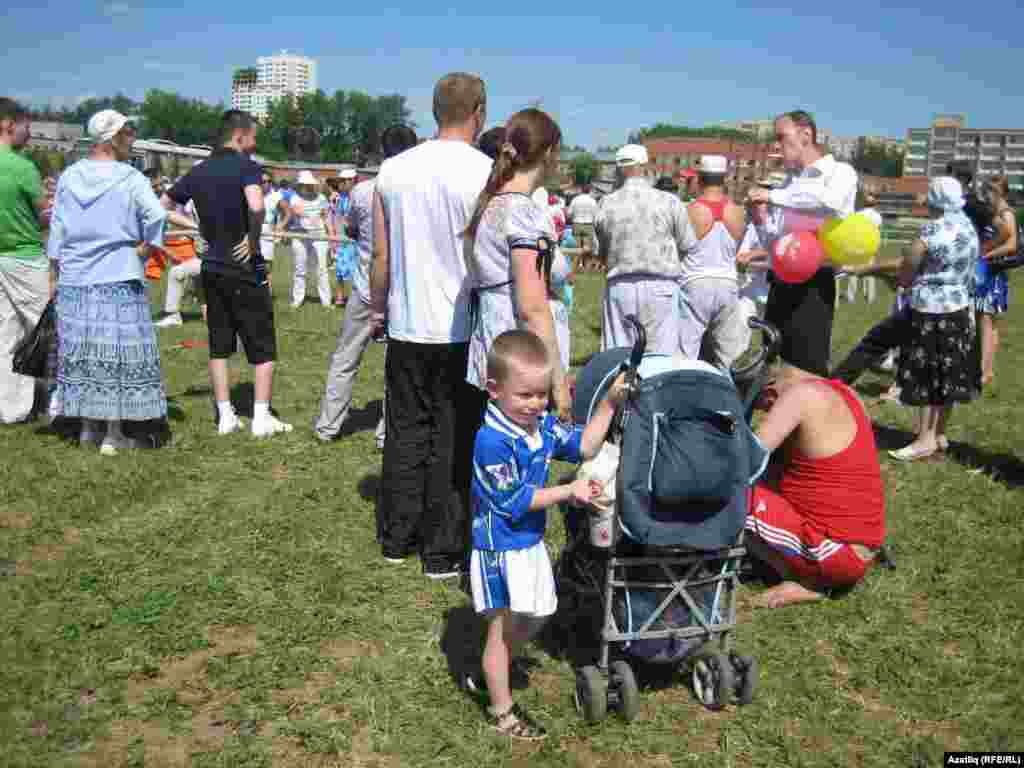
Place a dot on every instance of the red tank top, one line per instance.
(717, 208)
(842, 494)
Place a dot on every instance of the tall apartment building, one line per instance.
(987, 151)
(252, 88)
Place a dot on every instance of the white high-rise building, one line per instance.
(252, 88)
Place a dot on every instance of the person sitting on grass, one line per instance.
(510, 573)
(822, 522)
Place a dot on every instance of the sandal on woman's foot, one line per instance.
(943, 443)
(517, 724)
(910, 453)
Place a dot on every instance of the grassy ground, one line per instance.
(221, 602)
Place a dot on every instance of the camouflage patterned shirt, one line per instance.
(642, 230)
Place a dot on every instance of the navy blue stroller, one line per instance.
(667, 576)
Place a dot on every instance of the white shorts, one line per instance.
(267, 248)
(520, 580)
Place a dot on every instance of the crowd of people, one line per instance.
(454, 253)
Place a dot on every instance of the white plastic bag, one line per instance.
(603, 469)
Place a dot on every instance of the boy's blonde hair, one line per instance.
(523, 347)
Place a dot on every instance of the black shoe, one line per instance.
(437, 568)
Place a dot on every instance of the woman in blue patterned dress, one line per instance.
(108, 359)
(936, 368)
(993, 291)
(345, 253)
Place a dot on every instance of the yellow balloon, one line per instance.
(850, 242)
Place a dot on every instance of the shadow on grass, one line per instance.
(462, 641)
(362, 419)
(1004, 468)
(872, 389)
(153, 433)
(368, 487)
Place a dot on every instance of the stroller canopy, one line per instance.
(688, 455)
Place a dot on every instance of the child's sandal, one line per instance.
(516, 724)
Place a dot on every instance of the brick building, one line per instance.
(747, 162)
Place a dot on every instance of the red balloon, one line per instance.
(797, 256)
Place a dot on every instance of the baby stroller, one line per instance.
(665, 563)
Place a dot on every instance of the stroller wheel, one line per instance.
(591, 694)
(713, 680)
(627, 691)
(746, 677)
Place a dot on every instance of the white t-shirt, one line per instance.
(540, 197)
(583, 209)
(428, 194)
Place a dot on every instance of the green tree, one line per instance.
(584, 168)
(167, 115)
(878, 160)
(669, 131)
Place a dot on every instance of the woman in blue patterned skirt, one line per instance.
(108, 360)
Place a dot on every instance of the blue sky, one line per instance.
(601, 68)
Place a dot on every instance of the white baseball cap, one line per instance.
(631, 154)
(348, 173)
(103, 126)
(307, 177)
(715, 165)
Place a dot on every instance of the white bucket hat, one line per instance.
(348, 173)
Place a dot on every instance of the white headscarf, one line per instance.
(945, 194)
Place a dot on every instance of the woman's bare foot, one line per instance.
(786, 593)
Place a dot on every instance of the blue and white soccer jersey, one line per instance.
(510, 565)
(520, 580)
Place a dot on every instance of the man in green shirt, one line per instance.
(24, 270)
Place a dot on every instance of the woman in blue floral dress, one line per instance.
(936, 366)
(993, 291)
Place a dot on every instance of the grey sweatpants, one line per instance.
(342, 369)
(654, 301)
(713, 316)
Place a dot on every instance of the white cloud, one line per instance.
(116, 9)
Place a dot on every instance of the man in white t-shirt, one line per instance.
(582, 212)
(420, 292)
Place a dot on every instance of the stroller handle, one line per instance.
(768, 352)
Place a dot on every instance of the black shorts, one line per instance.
(239, 308)
(803, 313)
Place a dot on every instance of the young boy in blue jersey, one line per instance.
(510, 572)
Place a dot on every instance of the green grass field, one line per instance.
(221, 602)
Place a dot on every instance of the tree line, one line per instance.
(343, 127)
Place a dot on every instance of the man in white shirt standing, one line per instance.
(582, 212)
(642, 234)
(420, 291)
(818, 187)
(712, 316)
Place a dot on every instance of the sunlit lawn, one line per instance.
(221, 602)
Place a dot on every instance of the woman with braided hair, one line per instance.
(511, 250)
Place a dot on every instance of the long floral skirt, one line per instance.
(108, 358)
(937, 361)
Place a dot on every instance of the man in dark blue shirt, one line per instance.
(228, 200)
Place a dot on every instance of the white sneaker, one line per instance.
(169, 321)
(269, 425)
(296, 304)
(229, 424)
(111, 445)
